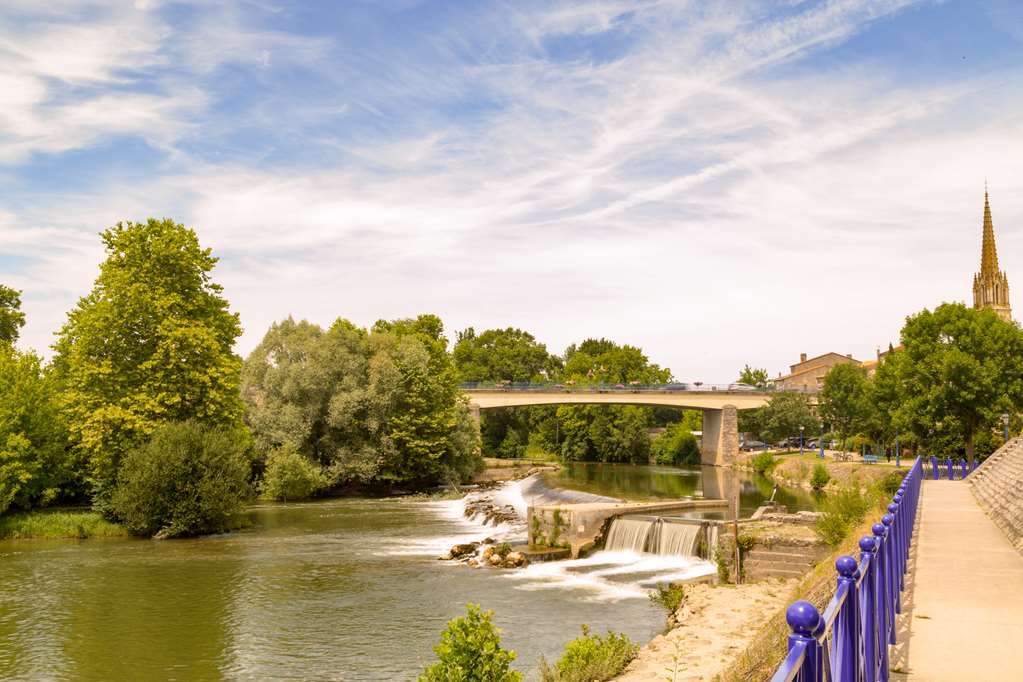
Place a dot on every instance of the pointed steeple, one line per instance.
(990, 285)
(988, 254)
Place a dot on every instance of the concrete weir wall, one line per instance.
(575, 525)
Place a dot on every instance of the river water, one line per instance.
(336, 590)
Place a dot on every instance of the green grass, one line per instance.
(57, 524)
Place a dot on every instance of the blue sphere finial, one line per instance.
(887, 519)
(893, 507)
(802, 617)
(867, 543)
(846, 566)
(878, 529)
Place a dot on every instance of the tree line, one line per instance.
(950, 388)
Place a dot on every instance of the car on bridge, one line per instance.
(741, 387)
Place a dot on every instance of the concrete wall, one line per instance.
(998, 486)
(575, 525)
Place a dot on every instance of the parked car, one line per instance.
(749, 445)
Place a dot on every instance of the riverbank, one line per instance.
(795, 470)
(58, 524)
(715, 623)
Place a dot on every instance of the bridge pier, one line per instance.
(720, 446)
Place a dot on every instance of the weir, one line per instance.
(659, 535)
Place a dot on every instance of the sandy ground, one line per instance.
(715, 624)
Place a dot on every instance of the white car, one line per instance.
(741, 387)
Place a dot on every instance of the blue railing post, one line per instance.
(948, 465)
(963, 470)
(868, 607)
(881, 583)
(891, 603)
(845, 662)
(804, 619)
(896, 531)
(934, 466)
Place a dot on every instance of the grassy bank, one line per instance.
(57, 524)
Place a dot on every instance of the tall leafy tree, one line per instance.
(753, 376)
(783, 415)
(371, 406)
(150, 344)
(11, 317)
(509, 355)
(843, 399)
(34, 465)
(607, 433)
(502, 355)
(962, 368)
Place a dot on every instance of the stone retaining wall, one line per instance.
(998, 486)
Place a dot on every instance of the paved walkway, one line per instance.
(963, 607)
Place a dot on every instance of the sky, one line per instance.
(719, 183)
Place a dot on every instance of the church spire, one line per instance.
(990, 285)
(988, 254)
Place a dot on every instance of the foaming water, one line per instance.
(610, 576)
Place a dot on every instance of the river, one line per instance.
(336, 590)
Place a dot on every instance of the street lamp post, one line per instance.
(801, 440)
(1005, 426)
(898, 463)
(821, 443)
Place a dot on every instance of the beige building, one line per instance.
(990, 285)
(808, 374)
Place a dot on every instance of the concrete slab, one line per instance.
(963, 608)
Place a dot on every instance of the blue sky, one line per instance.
(717, 182)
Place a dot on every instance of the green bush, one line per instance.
(762, 462)
(591, 658)
(820, 477)
(842, 510)
(677, 446)
(470, 651)
(669, 596)
(188, 479)
(290, 475)
(889, 485)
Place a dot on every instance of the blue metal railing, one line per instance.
(849, 643)
(952, 469)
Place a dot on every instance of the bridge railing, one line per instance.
(952, 469)
(849, 642)
(568, 387)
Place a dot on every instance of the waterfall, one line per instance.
(628, 534)
(654, 536)
(676, 539)
(712, 541)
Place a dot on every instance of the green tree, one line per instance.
(842, 400)
(677, 446)
(34, 466)
(11, 317)
(379, 406)
(754, 377)
(290, 475)
(607, 433)
(782, 416)
(150, 345)
(502, 355)
(187, 479)
(962, 368)
(470, 651)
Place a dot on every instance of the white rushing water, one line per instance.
(624, 571)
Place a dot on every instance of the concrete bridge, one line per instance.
(719, 406)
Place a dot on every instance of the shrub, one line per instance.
(669, 596)
(820, 477)
(677, 446)
(188, 479)
(290, 475)
(591, 658)
(889, 485)
(762, 462)
(842, 510)
(470, 651)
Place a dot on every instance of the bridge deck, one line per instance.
(965, 611)
(698, 400)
